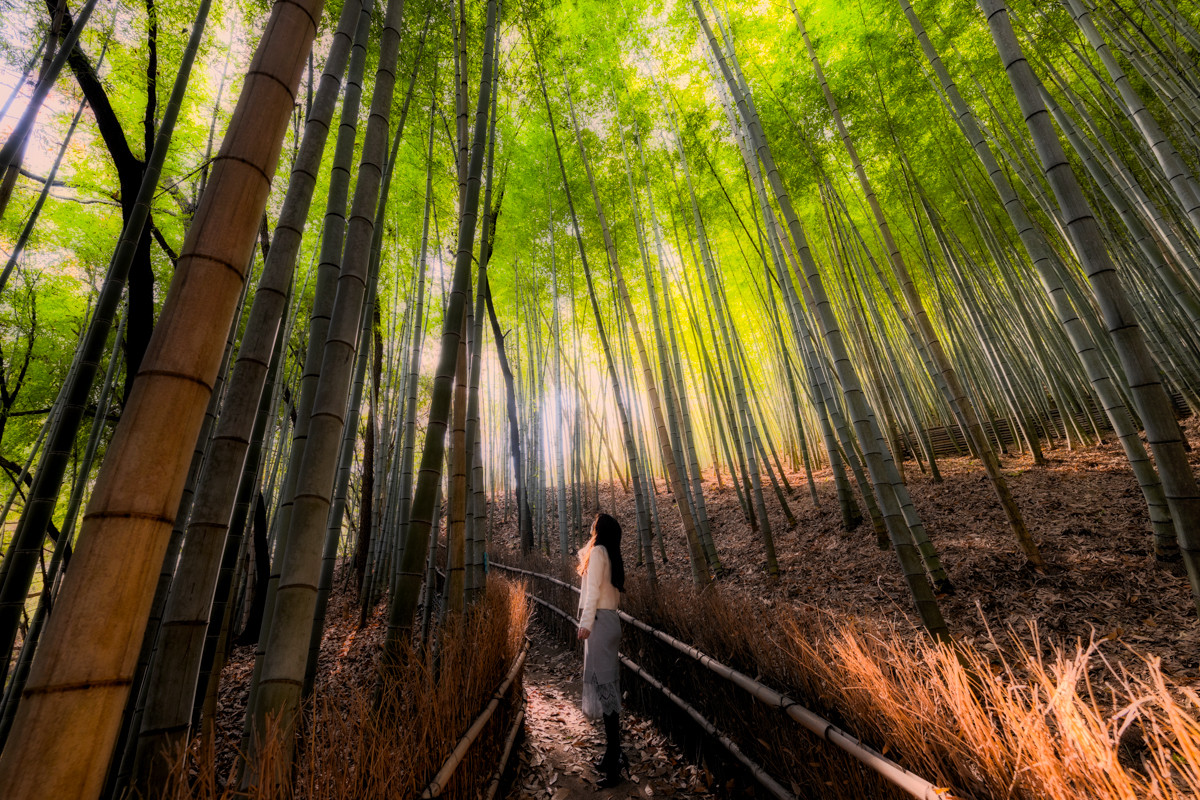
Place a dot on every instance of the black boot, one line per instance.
(614, 761)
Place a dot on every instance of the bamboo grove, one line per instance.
(388, 274)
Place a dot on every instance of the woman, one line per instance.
(600, 630)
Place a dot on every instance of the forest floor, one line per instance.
(561, 744)
(1083, 508)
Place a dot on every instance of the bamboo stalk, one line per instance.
(1137, 361)
(408, 585)
(286, 653)
(63, 733)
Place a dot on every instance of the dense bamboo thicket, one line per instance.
(306, 305)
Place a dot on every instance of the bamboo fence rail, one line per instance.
(494, 784)
(765, 780)
(443, 776)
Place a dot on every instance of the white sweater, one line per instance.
(598, 590)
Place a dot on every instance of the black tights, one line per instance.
(612, 735)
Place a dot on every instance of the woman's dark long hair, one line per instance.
(606, 532)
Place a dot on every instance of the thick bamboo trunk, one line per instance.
(1146, 390)
(134, 710)
(172, 679)
(286, 652)
(329, 261)
(369, 527)
(64, 732)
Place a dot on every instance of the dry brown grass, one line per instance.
(1002, 722)
(352, 747)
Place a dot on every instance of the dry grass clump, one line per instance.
(353, 745)
(1058, 723)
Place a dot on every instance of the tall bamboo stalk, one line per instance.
(286, 651)
(636, 474)
(700, 572)
(176, 664)
(1153, 406)
(1180, 178)
(883, 471)
(1052, 276)
(328, 267)
(64, 731)
(418, 339)
(408, 586)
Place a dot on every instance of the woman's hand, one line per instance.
(582, 634)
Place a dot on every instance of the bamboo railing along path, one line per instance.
(908, 782)
(442, 779)
(765, 780)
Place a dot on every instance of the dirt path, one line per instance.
(561, 744)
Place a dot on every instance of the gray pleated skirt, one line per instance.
(601, 667)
